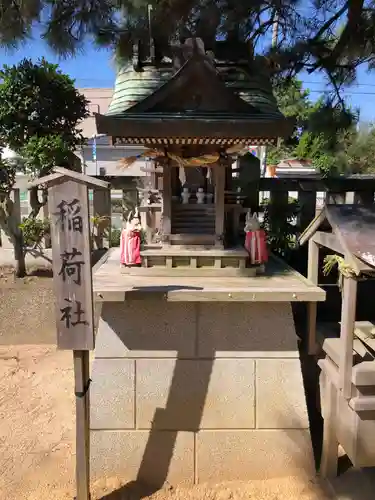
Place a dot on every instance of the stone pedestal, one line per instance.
(355, 425)
(197, 392)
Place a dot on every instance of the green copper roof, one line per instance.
(255, 89)
(133, 86)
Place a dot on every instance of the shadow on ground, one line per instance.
(130, 491)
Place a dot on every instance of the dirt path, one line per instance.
(26, 310)
(37, 452)
(36, 423)
(37, 439)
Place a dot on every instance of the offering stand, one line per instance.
(347, 379)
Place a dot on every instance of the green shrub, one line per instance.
(116, 205)
(280, 225)
(143, 237)
(34, 230)
(115, 237)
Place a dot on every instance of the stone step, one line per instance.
(192, 239)
(193, 205)
(193, 230)
(193, 220)
(190, 223)
(201, 262)
(183, 228)
(208, 226)
(193, 224)
(193, 215)
(193, 208)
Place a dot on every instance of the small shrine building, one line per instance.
(196, 374)
(195, 115)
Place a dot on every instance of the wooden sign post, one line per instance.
(71, 255)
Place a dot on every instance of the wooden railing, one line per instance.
(312, 193)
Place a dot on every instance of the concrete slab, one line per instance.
(280, 395)
(253, 454)
(245, 329)
(153, 458)
(112, 394)
(146, 328)
(195, 394)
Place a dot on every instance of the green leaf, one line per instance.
(40, 113)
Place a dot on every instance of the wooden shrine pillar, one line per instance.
(176, 186)
(228, 178)
(312, 275)
(307, 202)
(103, 212)
(167, 204)
(219, 177)
(348, 312)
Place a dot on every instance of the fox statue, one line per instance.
(255, 240)
(130, 244)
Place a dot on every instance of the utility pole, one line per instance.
(275, 36)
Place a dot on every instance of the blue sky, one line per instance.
(93, 68)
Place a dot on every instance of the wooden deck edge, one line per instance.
(187, 272)
(186, 294)
(103, 259)
(248, 295)
(293, 271)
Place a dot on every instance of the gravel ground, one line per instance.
(37, 440)
(26, 310)
(37, 451)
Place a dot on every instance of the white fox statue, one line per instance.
(255, 240)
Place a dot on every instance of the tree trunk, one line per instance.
(35, 204)
(19, 256)
(9, 224)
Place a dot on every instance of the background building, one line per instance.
(99, 156)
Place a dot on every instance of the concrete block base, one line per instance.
(186, 458)
(190, 393)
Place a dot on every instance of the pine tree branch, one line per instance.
(330, 21)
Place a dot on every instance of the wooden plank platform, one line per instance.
(279, 283)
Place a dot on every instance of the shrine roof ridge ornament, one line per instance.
(59, 174)
(225, 51)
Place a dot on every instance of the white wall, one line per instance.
(107, 158)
